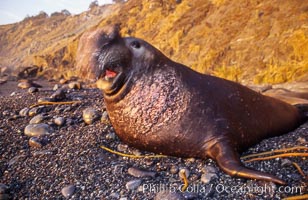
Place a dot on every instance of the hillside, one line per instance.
(246, 41)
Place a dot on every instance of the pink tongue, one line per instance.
(110, 74)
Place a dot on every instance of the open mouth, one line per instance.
(111, 79)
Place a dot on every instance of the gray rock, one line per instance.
(37, 119)
(115, 195)
(3, 188)
(38, 130)
(35, 111)
(58, 95)
(35, 142)
(5, 197)
(90, 115)
(45, 99)
(133, 184)
(24, 112)
(63, 81)
(111, 136)
(68, 191)
(6, 113)
(168, 195)
(122, 147)
(59, 121)
(56, 87)
(24, 84)
(174, 169)
(105, 118)
(32, 90)
(209, 174)
(285, 162)
(140, 173)
(74, 85)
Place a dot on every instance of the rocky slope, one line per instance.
(246, 41)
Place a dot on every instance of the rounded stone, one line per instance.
(136, 172)
(37, 119)
(68, 191)
(133, 184)
(174, 169)
(209, 174)
(74, 85)
(24, 112)
(24, 84)
(105, 118)
(37, 130)
(45, 99)
(32, 90)
(3, 188)
(5, 196)
(34, 111)
(59, 121)
(166, 194)
(90, 115)
(58, 95)
(56, 87)
(6, 113)
(111, 136)
(35, 142)
(63, 81)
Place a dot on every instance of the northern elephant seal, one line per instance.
(162, 106)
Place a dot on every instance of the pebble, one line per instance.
(285, 162)
(58, 95)
(74, 85)
(90, 115)
(301, 140)
(105, 118)
(37, 130)
(3, 188)
(32, 90)
(68, 191)
(5, 197)
(59, 121)
(136, 172)
(25, 84)
(133, 184)
(6, 113)
(35, 111)
(45, 99)
(122, 147)
(174, 169)
(35, 142)
(24, 112)
(63, 81)
(56, 87)
(111, 136)
(37, 119)
(209, 174)
(166, 194)
(114, 195)
(13, 94)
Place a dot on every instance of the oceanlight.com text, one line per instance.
(221, 188)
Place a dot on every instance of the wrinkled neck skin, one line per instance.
(155, 103)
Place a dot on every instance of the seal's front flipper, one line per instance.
(228, 160)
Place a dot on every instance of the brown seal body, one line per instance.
(161, 106)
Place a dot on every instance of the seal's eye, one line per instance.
(135, 44)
